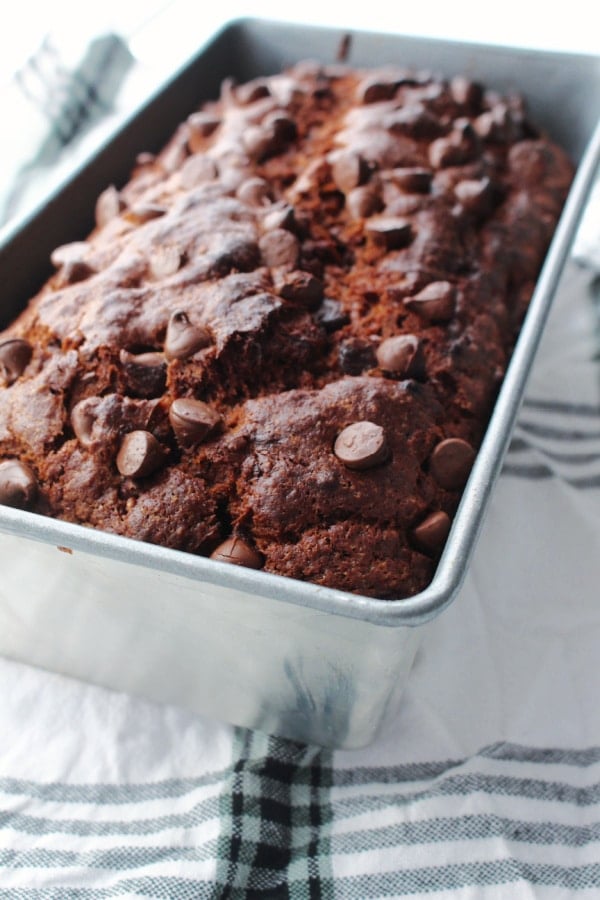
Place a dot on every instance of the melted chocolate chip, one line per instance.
(18, 485)
(184, 338)
(192, 421)
(451, 462)
(15, 355)
(140, 454)
(236, 551)
(361, 445)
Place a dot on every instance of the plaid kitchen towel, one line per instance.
(487, 784)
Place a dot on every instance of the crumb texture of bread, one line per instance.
(282, 342)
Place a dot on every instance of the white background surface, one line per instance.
(518, 22)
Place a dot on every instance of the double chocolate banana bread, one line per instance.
(281, 344)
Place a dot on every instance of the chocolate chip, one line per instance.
(15, 355)
(331, 315)
(497, 124)
(463, 127)
(192, 420)
(414, 121)
(18, 485)
(252, 91)
(301, 287)
(413, 179)
(466, 92)
(279, 217)
(455, 149)
(364, 201)
(165, 261)
(361, 445)
(279, 248)
(394, 232)
(348, 170)
(284, 127)
(67, 253)
(196, 170)
(474, 195)
(310, 179)
(140, 454)
(258, 141)
(402, 355)
(270, 137)
(430, 535)
(83, 417)
(145, 212)
(145, 159)
(200, 126)
(233, 172)
(70, 260)
(237, 253)
(73, 272)
(145, 373)
(373, 90)
(356, 356)
(236, 551)
(108, 206)
(184, 338)
(254, 192)
(451, 462)
(435, 303)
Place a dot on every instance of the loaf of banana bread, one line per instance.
(282, 342)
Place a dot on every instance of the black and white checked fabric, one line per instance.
(285, 822)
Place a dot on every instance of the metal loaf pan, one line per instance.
(309, 663)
